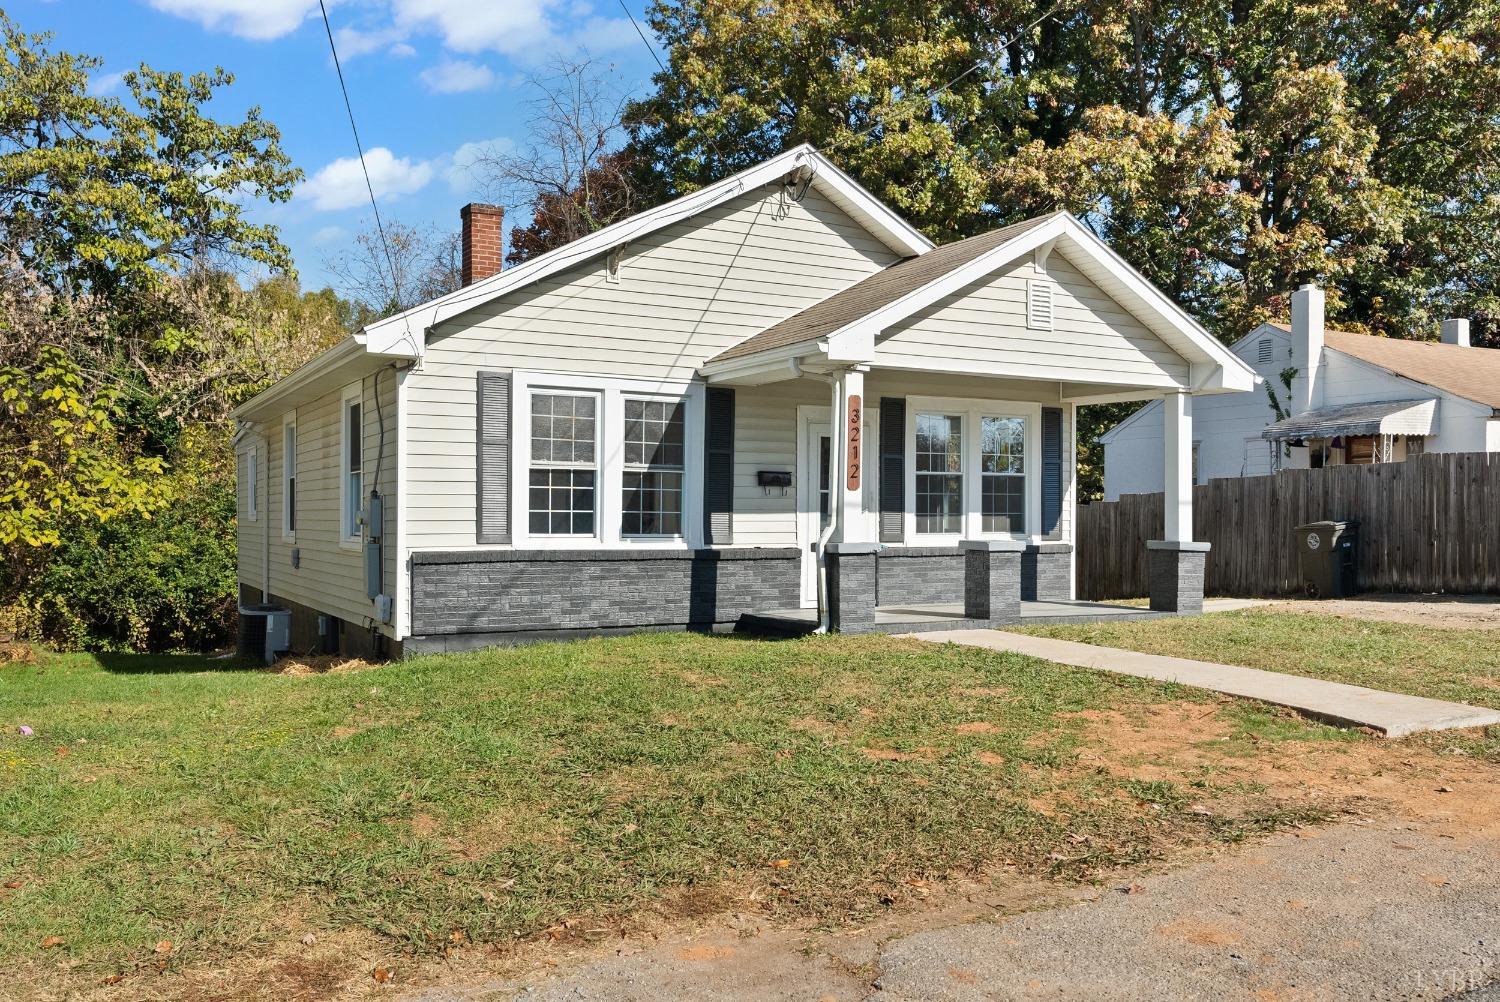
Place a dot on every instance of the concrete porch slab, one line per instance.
(1392, 714)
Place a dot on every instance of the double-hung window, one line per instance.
(940, 473)
(564, 470)
(1002, 470)
(651, 484)
(353, 461)
(289, 477)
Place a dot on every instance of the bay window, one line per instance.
(939, 456)
(654, 454)
(564, 465)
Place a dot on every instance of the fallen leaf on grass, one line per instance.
(12, 885)
(779, 864)
(113, 979)
(165, 946)
(308, 939)
(1133, 889)
(382, 975)
(53, 941)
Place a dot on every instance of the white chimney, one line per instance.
(1456, 331)
(1307, 348)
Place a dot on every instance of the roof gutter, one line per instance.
(346, 350)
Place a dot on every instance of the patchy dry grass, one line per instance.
(1454, 664)
(490, 797)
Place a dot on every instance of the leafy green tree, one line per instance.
(101, 194)
(1231, 151)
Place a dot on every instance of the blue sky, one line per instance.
(431, 81)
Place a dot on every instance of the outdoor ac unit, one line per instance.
(265, 631)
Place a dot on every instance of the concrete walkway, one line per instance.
(1392, 714)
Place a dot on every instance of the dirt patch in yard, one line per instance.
(1448, 612)
(1188, 743)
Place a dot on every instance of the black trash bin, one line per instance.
(1326, 555)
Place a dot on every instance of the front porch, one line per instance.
(939, 616)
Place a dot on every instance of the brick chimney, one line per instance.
(481, 240)
(1455, 331)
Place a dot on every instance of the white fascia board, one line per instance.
(1234, 373)
(321, 365)
(390, 336)
(780, 363)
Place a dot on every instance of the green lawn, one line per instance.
(497, 793)
(1460, 665)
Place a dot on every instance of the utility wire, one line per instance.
(934, 92)
(359, 147)
(662, 66)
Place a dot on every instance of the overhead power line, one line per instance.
(364, 169)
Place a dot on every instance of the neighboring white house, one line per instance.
(1366, 400)
(772, 394)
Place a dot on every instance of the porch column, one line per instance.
(1176, 563)
(992, 580)
(848, 481)
(851, 586)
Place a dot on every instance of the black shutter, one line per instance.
(1052, 468)
(492, 485)
(892, 469)
(718, 469)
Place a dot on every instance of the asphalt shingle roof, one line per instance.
(1471, 373)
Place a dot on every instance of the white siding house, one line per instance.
(1369, 399)
(769, 402)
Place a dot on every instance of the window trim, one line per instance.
(289, 474)
(973, 411)
(609, 456)
(625, 396)
(252, 484)
(351, 536)
(594, 467)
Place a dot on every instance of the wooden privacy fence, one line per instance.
(1430, 524)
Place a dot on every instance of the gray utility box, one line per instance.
(1326, 554)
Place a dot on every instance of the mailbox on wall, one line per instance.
(770, 480)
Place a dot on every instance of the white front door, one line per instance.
(814, 492)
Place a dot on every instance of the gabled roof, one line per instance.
(1471, 373)
(848, 321)
(403, 334)
(878, 290)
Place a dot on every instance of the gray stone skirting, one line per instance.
(992, 581)
(924, 575)
(472, 598)
(1176, 575)
(851, 586)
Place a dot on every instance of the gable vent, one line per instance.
(1039, 304)
(1263, 351)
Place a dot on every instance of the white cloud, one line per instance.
(461, 167)
(260, 20)
(326, 235)
(525, 29)
(105, 83)
(456, 76)
(402, 50)
(603, 34)
(341, 184)
(353, 42)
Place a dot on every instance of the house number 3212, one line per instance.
(856, 441)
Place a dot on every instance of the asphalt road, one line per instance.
(1385, 909)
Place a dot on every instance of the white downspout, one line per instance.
(835, 463)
